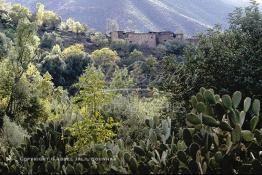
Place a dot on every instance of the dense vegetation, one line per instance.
(72, 102)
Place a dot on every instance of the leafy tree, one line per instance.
(121, 46)
(136, 55)
(151, 65)
(7, 25)
(76, 49)
(50, 39)
(175, 48)
(24, 52)
(4, 45)
(104, 56)
(99, 39)
(133, 57)
(75, 66)
(18, 12)
(4, 5)
(73, 26)
(92, 92)
(93, 127)
(33, 96)
(56, 50)
(121, 79)
(48, 20)
(226, 61)
(62, 65)
(55, 65)
(91, 130)
(6, 77)
(106, 59)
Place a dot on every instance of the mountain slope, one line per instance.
(189, 16)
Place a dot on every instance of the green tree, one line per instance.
(24, 52)
(92, 96)
(99, 39)
(133, 57)
(48, 40)
(73, 26)
(4, 5)
(78, 60)
(66, 66)
(226, 61)
(76, 49)
(48, 20)
(121, 46)
(121, 79)
(106, 59)
(104, 56)
(136, 55)
(4, 45)
(56, 50)
(19, 12)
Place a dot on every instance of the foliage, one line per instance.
(55, 65)
(73, 50)
(62, 65)
(6, 77)
(48, 20)
(99, 39)
(13, 133)
(121, 46)
(92, 92)
(136, 55)
(104, 56)
(93, 127)
(209, 145)
(24, 51)
(133, 111)
(121, 79)
(49, 40)
(26, 44)
(175, 47)
(3, 5)
(73, 26)
(226, 60)
(63, 111)
(19, 12)
(221, 132)
(51, 144)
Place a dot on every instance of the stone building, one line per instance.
(163, 37)
(150, 39)
(193, 40)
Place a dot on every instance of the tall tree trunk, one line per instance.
(1, 118)
(10, 107)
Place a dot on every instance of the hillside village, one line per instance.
(151, 39)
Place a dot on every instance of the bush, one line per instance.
(14, 134)
(49, 40)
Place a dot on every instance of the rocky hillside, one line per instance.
(189, 16)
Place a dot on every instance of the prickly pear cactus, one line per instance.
(223, 128)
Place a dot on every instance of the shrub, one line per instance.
(13, 133)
